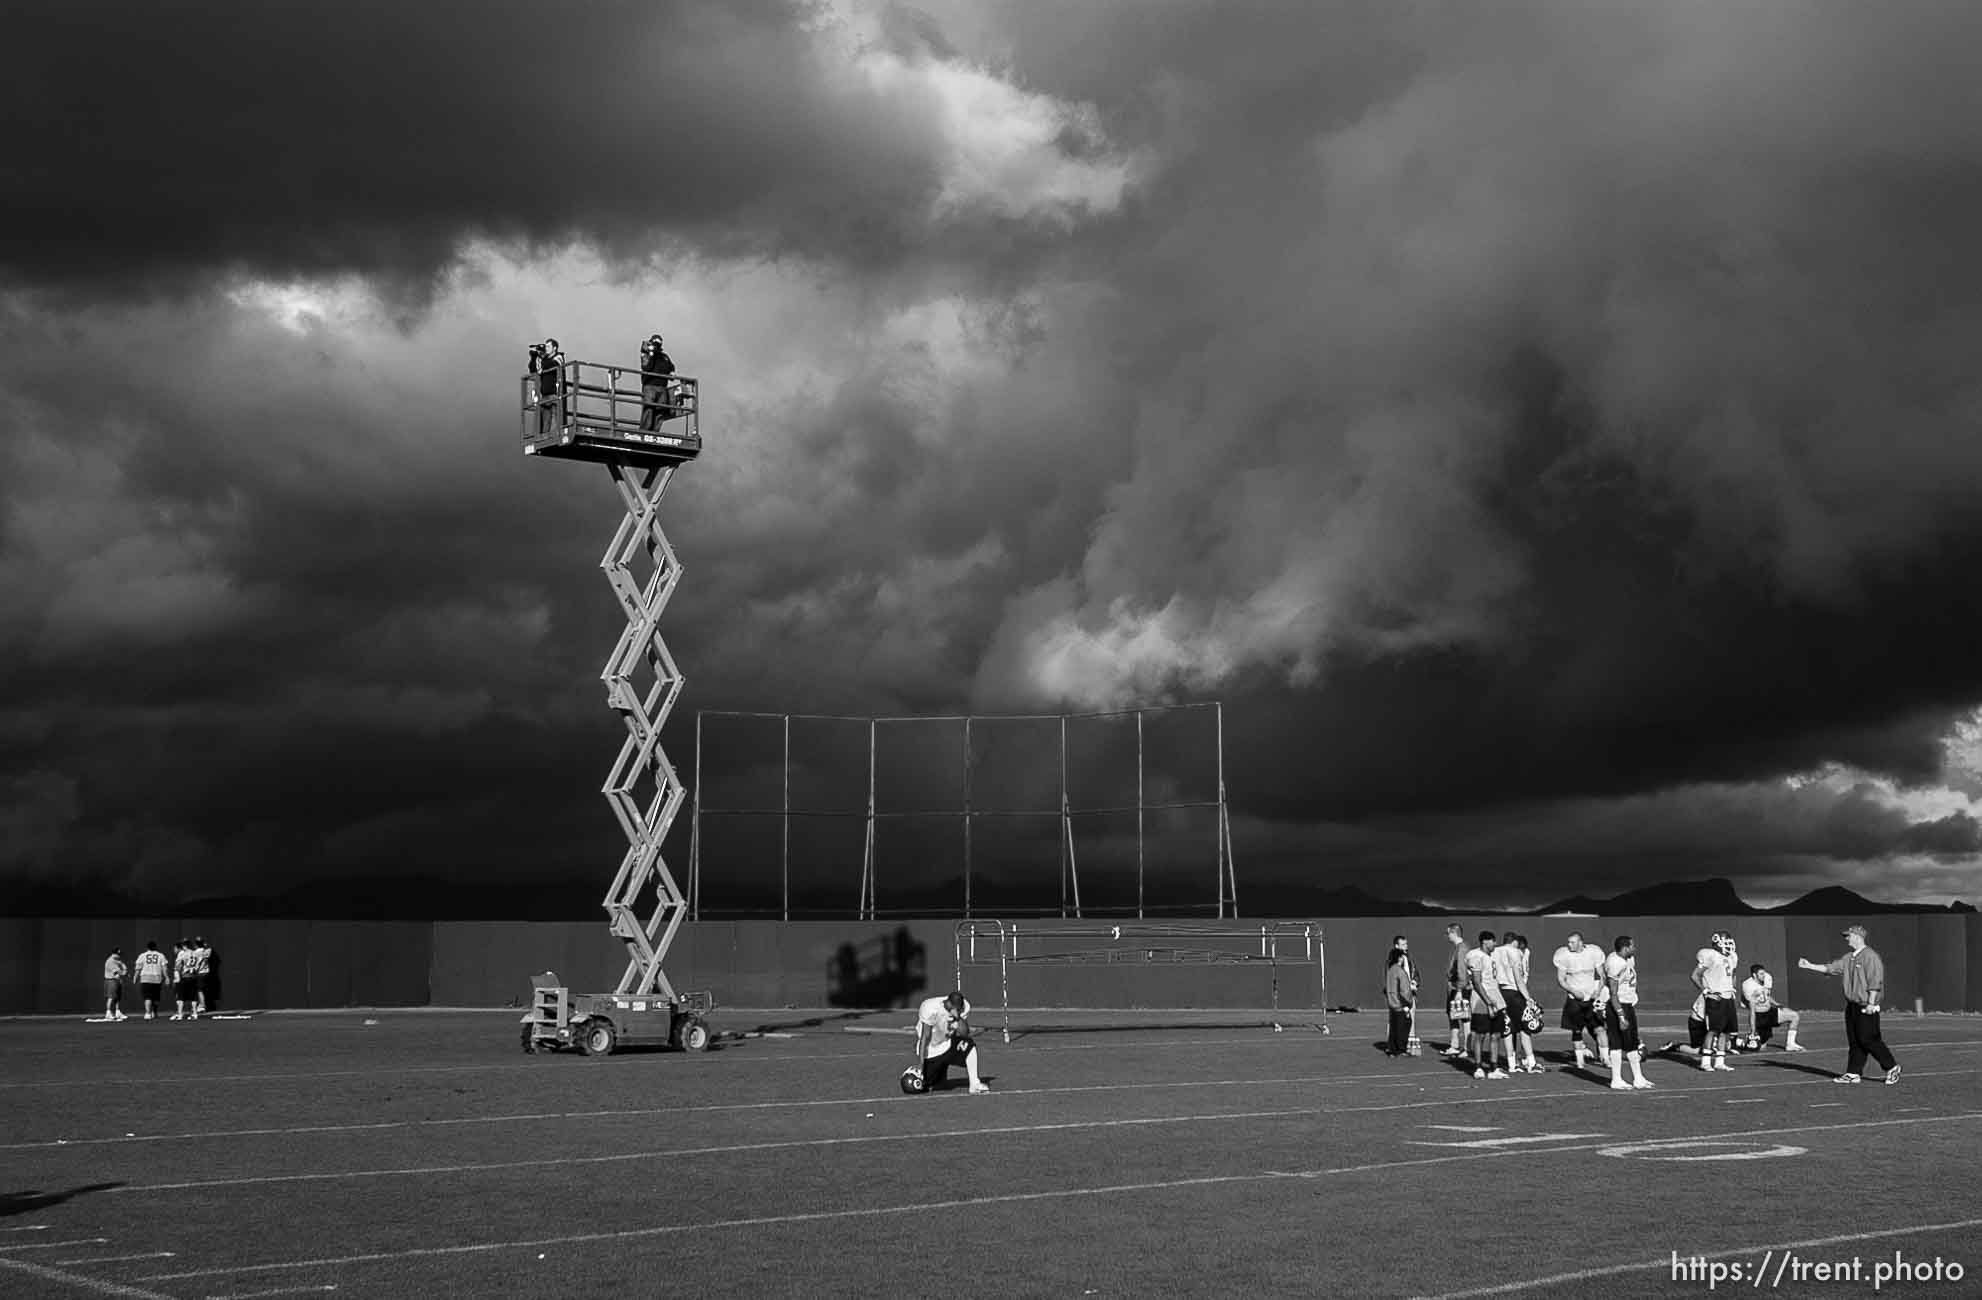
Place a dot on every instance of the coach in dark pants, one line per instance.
(1400, 992)
(1864, 977)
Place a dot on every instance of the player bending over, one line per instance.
(942, 1039)
(1579, 970)
(1759, 992)
(1713, 975)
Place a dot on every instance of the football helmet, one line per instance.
(912, 1081)
(1722, 943)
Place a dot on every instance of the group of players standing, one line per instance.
(189, 970)
(1491, 1004)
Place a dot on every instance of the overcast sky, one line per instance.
(1553, 431)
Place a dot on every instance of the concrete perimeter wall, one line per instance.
(54, 965)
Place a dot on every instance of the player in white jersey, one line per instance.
(1510, 972)
(1579, 970)
(942, 1039)
(1759, 992)
(1488, 1011)
(1713, 975)
(1621, 1015)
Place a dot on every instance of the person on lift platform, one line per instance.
(547, 368)
(655, 368)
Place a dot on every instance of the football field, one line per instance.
(1117, 1155)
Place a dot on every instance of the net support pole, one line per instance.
(784, 829)
(966, 818)
(1139, 814)
(695, 831)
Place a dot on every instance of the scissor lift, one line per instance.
(597, 413)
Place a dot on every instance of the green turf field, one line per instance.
(1118, 1155)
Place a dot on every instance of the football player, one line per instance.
(1713, 975)
(942, 1039)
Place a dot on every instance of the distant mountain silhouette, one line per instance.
(1717, 897)
(1836, 900)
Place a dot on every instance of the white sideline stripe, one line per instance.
(99, 1285)
(57, 1245)
(892, 1099)
(27, 1227)
(256, 1180)
(280, 1290)
(119, 1259)
(1257, 1038)
(1590, 1274)
(1465, 1128)
(1598, 1146)
(819, 1216)
(1487, 1144)
(737, 1148)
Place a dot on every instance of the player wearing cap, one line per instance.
(942, 1039)
(1864, 978)
(1579, 970)
(1621, 1015)
(114, 971)
(1488, 1010)
(1759, 992)
(1713, 975)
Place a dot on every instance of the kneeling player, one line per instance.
(942, 1039)
(1759, 992)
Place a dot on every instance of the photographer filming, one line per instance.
(547, 369)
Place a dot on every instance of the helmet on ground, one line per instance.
(912, 1081)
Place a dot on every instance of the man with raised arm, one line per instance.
(942, 1039)
(1579, 970)
(1864, 976)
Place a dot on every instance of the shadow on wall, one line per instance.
(886, 971)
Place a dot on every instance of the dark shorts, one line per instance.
(1765, 1022)
(113, 988)
(1721, 1016)
(1489, 1022)
(1696, 1033)
(936, 1069)
(151, 991)
(1579, 1015)
(188, 989)
(1621, 1023)
(1517, 1006)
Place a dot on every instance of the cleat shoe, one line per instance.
(1478, 1073)
(1706, 1065)
(1795, 1047)
(1502, 1074)
(1892, 1075)
(977, 1088)
(1618, 1085)
(1847, 1078)
(1643, 1083)
(1723, 1065)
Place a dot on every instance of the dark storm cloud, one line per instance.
(1549, 427)
(315, 139)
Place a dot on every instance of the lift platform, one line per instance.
(596, 413)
